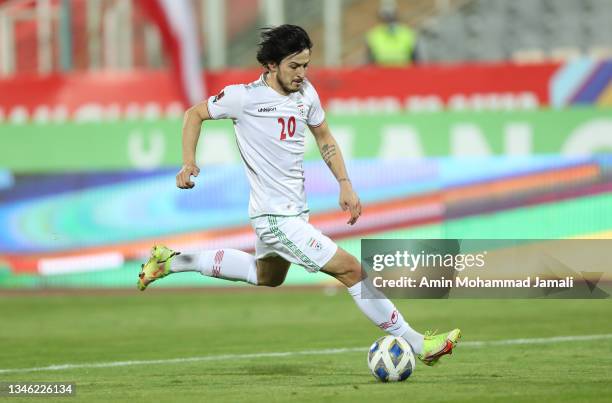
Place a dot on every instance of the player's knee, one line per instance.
(271, 272)
(269, 279)
(353, 274)
(347, 271)
(270, 282)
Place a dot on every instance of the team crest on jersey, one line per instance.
(301, 109)
(219, 96)
(313, 243)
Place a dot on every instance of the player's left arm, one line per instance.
(330, 151)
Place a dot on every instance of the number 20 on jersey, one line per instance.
(287, 127)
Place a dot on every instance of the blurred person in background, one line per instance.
(270, 118)
(391, 43)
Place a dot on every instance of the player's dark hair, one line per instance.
(279, 42)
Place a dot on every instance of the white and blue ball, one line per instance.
(391, 359)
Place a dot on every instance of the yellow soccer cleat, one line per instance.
(435, 346)
(158, 266)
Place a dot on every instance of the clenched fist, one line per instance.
(183, 178)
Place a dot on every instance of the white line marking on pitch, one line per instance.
(60, 367)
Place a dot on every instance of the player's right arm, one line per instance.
(192, 124)
(225, 105)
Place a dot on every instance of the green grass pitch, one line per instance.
(43, 330)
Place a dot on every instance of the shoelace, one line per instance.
(169, 257)
(431, 333)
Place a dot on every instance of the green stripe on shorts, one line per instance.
(290, 245)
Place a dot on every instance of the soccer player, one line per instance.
(270, 117)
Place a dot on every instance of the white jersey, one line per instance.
(270, 131)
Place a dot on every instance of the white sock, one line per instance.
(383, 313)
(229, 264)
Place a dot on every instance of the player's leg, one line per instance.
(380, 310)
(234, 265)
(229, 264)
(299, 242)
(272, 271)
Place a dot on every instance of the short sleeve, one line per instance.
(316, 114)
(227, 104)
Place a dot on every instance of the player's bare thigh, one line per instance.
(344, 267)
(271, 271)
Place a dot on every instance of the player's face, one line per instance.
(291, 72)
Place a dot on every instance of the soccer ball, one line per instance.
(391, 359)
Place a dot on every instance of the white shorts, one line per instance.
(293, 239)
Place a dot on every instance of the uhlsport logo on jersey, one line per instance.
(267, 109)
(313, 243)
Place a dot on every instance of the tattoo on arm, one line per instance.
(328, 151)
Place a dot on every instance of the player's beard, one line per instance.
(286, 87)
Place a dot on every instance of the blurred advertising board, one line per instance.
(112, 95)
(95, 228)
(475, 86)
(148, 144)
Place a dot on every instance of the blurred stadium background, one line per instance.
(502, 129)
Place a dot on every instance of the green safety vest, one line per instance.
(391, 48)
